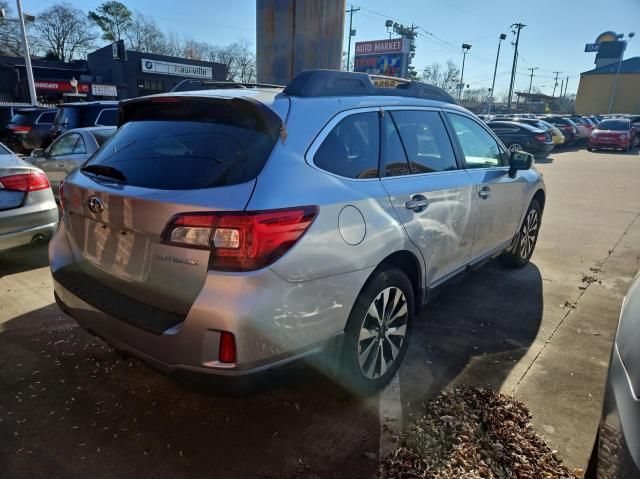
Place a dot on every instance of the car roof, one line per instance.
(90, 129)
(90, 103)
(515, 123)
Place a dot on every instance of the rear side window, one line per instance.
(425, 141)
(107, 117)
(80, 148)
(102, 135)
(190, 144)
(351, 148)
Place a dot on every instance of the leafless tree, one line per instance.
(144, 35)
(172, 45)
(444, 77)
(239, 60)
(65, 31)
(10, 36)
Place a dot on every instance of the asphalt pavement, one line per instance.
(71, 407)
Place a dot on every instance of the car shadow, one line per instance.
(24, 258)
(473, 333)
(80, 408)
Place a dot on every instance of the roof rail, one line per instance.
(195, 84)
(318, 83)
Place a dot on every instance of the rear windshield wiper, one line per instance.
(104, 170)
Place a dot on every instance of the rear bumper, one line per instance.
(608, 144)
(24, 226)
(274, 322)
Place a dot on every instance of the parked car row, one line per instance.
(618, 131)
(24, 129)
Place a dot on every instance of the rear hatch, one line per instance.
(171, 155)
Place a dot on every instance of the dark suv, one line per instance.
(78, 115)
(29, 129)
(567, 126)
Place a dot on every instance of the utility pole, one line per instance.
(495, 71)
(518, 26)
(556, 84)
(351, 11)
(27, 56)
(530, 84)
(561, 87)
(465, 49)
(566, 85)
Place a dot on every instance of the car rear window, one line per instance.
(22, 118)
(613, 125)
(177, 146)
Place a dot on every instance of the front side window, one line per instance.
(351, 148)
(479, 148)
(395, 159)
(64, 145)
(425, 141)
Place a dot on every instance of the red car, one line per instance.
(616, 133)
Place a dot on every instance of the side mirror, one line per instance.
(38, 153)
(519, 160)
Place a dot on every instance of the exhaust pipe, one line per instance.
(38, 239)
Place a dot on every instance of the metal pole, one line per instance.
(530, 84)
(350, 12)
(566, 85)
(464, 55)
(555, 84)
(561, 88)
(615, 85)
(495, 71)
(27, 57)
(519, 26)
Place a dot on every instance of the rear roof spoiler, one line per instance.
(322, 83)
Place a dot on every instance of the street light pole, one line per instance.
(351, 11)
(27, 57)
(465, 48)
(615, 80)
(495, 71)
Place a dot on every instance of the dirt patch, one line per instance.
(474, 433)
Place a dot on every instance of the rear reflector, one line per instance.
(32, 181)
(227, 349)
(240, 241)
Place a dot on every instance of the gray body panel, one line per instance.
(37, 217)
(305, 297)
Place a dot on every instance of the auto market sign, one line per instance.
(382, 57)
(176, 69)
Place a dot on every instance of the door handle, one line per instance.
(60, 165)
(484, 193)
(417, 203)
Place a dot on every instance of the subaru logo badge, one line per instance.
(95, 204)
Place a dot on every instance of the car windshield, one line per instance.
(69, 116)
(616, 125)
(22, 118)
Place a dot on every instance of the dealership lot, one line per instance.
(544, 333)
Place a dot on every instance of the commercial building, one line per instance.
(109, 73)
(597, 85)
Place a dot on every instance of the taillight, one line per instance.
(227, 348)
(20, 128)
(540, 137)
(240, 241)
(32, 181)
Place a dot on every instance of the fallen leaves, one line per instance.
(473, 432)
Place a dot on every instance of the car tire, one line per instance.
(590, 149)
(526, 239)
(368, 343)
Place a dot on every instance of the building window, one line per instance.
(151, 86)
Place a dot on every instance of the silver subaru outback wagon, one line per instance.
(232, 231)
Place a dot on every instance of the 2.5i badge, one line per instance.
(175, 259)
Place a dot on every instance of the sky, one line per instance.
(553, 39)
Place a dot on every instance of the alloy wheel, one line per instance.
(515, 147)
(528, 234)
(383, 332)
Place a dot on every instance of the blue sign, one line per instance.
(389, 64)
(591, 47)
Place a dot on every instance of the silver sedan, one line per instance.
(68, 152)
(28, 212)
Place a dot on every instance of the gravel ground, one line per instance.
(474, 433)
